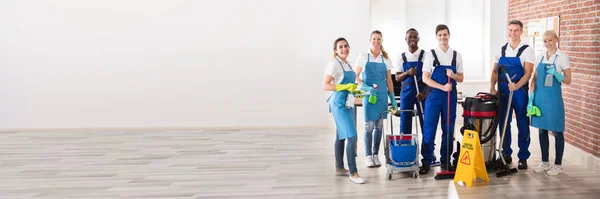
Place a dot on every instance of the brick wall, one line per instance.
(579, 38)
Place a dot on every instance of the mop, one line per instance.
(505, 169)
(419, 103)
(447, 174)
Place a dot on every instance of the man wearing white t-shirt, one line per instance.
(515, 58)
(442, 69)
(409, 67)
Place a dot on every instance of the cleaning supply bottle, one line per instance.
(548, 81)
(350, 100)
(373, 96)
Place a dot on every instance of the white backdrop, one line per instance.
(171, 63)
(478, 29)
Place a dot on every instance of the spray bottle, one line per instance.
(373, 96)
(548, 81)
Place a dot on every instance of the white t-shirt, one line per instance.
(444, 59)
(562, 60)
(361, 61)
(528, 54)
(410, 57)
(335, 69)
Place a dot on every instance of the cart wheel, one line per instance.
(415, 174)
(389, 176)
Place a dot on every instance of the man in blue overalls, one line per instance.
(442, 69)
(409, 67)
(517, 59)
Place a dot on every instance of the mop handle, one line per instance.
(448, 112)
(506, 116)
(418, 91)
(448, 130)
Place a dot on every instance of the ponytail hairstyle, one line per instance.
(551, 33)
(335, 45)
(385, 54)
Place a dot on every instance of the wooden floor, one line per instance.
(183, 164)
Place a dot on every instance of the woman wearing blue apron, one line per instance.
(339, 78)
(375, 78)
(546, 103)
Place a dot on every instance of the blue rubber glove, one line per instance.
(530, 103)
(556, 74)
(393, 101)
(531, 109)
(368, 90)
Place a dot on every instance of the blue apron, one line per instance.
(437, 104)
(408, 94)
(343, 115)
(549, 100)
(515, 70)
(375, 73)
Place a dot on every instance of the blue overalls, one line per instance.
(408, 95)
(549, 100)
(375, 73)
(519, 102)
(437, 104)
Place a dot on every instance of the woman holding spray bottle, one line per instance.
(546, 106)
(339, 78)
(374, 77)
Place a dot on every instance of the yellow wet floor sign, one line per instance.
(470, 165)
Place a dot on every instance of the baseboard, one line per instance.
(139, 129)
(582, 158)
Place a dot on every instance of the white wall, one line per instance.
(385, 17)
(171, 63)
(478, 29)
(498, 26)
(424, 16)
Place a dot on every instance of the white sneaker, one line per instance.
(543, 167)
(369, 161)
(376, 160)
(555, 170)
(358, 180)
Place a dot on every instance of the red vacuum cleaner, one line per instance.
(447, 174)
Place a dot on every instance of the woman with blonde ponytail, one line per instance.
(546, 106)
(374, 77)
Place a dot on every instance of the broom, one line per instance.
(447, 174)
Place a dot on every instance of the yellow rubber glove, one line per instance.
(393, 110)
(346, 87)
(359, 94)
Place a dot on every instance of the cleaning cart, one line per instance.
(402, 150)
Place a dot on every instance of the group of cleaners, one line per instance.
(437, 71)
